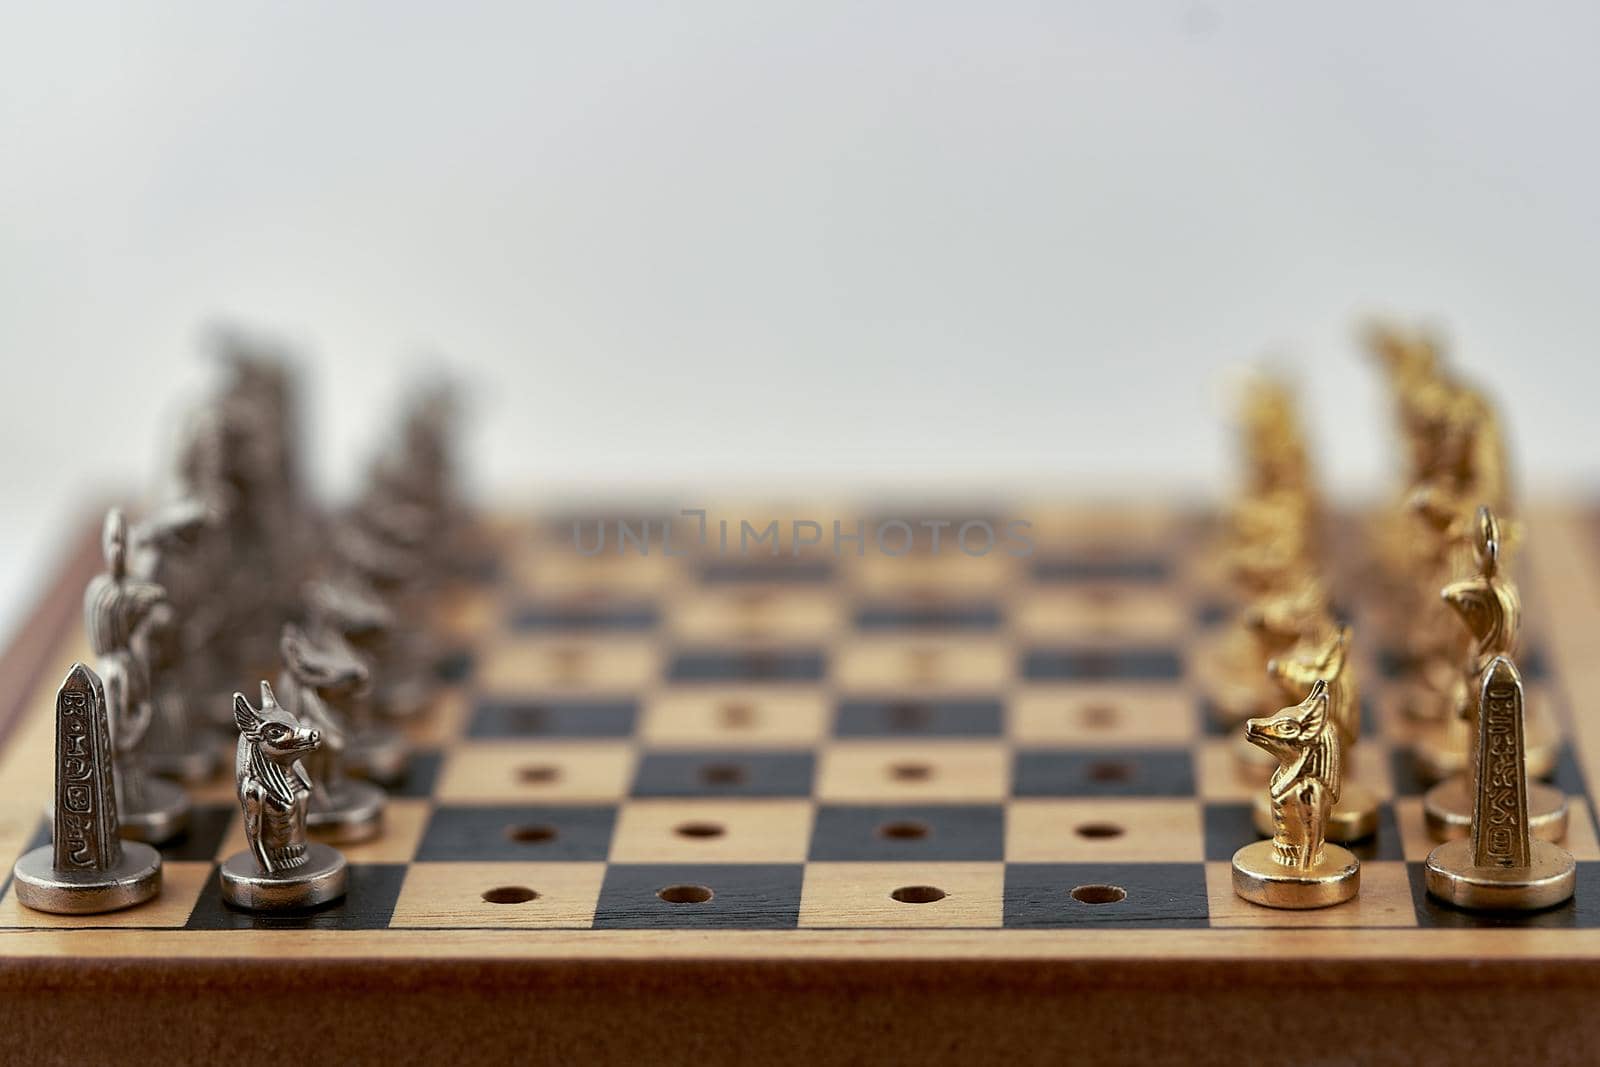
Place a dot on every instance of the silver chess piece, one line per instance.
(320, 681)
(281, 870)
(118, 610)
(87, 868)
(345, 613)
(167, 550)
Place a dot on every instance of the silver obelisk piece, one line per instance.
(87, 868)
(281, 870)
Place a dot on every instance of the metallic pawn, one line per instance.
(280, 871)
(166, 551)
(1274, 624)
(87, 868)
(1355, 816)
(1298, 868)
(346, 613)
(118, 611)
(318, 682)
(1501, 867)
(1490, 609)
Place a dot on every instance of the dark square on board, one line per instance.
(746, 896)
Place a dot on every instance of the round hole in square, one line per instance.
(1099, 716)
(738, 716)
(1109, 771)
(903, 830)
(685, 894)
(1099, 894)
(918, 894)
(1098, 831)
(909, 715)
(538, 773)
(510, 894)
(910, 772)
(531, 834)
(699, 829)
(722, 774)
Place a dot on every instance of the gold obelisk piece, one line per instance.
(1502, 866)
(1489, 609)
(1298, 868)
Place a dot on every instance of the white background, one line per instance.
(909, 244)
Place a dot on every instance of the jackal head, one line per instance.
(272, 732)
(1292, 732)
(1278, 622)
(327, 667)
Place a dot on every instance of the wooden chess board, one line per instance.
(884, 809)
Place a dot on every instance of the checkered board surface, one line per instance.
(915, 745)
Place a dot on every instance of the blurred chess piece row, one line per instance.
(1444, 554)
(233, 580)
(1282, 675)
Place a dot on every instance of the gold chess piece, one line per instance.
(1490, 608)
(1298, 868)
(1326, 659)
(1501, 866)
(1267, 628)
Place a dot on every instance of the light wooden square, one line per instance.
(1085, 526)
(519, 665)
(948, 664)
(1104, 830)
(181, 885)
(560, 571)
(518, 772)
(736, 717)
(404, 822)
(451, 895)
(1098, 715)
(1101, 610)
(758, 613)
(928, 771)
(861, 895)
(712, 831)
(950, 571)
(1385, 900)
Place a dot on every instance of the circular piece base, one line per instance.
(1548, 880)
(190, 766)
(43, 888)
(354, 815)
(377, 753)
(1255, 765)
(1354, 818)
(163, 815)
(1259, 878)
(320, 880)
(1447, 810)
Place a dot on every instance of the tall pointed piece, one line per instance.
(87, 868)
(1502, 866)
